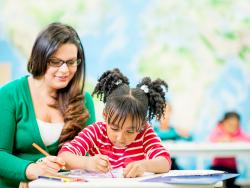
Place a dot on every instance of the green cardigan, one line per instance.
(19, 129)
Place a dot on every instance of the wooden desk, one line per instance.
(207, 150)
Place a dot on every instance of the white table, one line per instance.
(207, 150)
(100, 183)
(113, 183)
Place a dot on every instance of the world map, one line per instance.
(201, 49)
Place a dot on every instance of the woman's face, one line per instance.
(59, 77)
(121, 137)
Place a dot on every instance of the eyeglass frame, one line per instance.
(78, 62)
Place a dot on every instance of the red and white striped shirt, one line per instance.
(147, 145)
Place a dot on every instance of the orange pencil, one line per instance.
(43, 152)
(41, 149)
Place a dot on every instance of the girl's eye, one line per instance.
(130, 132)
(114, 128)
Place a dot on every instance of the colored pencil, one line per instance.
(62, 178)
(44, 152)
(98, 151)
(41, 149)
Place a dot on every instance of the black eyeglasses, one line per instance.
(54, 62)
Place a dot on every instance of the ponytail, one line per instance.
(155, 93)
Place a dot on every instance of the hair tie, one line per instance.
(118, 82)
(144, 88)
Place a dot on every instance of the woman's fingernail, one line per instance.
(63, 167)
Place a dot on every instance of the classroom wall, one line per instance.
(201, 48)
(5, 72)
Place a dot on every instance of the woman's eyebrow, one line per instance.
(57, 58)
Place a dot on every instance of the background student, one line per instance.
(228, 130)
(166, 131)
(47, 107)
(125, 139)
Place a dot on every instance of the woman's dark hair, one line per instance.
(141, 103)
(69, 99)
(229, 115)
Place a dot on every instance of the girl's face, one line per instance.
(121, 137)
(58, 77)
(231, 125)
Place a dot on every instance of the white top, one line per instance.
(50, 132)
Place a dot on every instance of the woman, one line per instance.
(46, 108)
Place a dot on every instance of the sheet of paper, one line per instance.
(118, 173)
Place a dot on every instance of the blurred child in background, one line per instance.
(228, 130)
(124, 139)
(167, 132)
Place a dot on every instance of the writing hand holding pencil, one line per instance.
(49, 165)
(101, 162)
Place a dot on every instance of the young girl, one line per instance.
(228, 130)
(125, 139)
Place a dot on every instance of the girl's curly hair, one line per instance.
(142, 103)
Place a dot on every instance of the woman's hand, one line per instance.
(47, 166)
(98, 163)
(134, 169)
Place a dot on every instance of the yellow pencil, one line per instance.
(62, 178)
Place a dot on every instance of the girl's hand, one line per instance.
(99, 163)
(183, 133)
(134, 169)
(47, 166)
(226, 138)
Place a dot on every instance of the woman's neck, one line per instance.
(46, 93)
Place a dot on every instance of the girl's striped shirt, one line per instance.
(147, 145)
